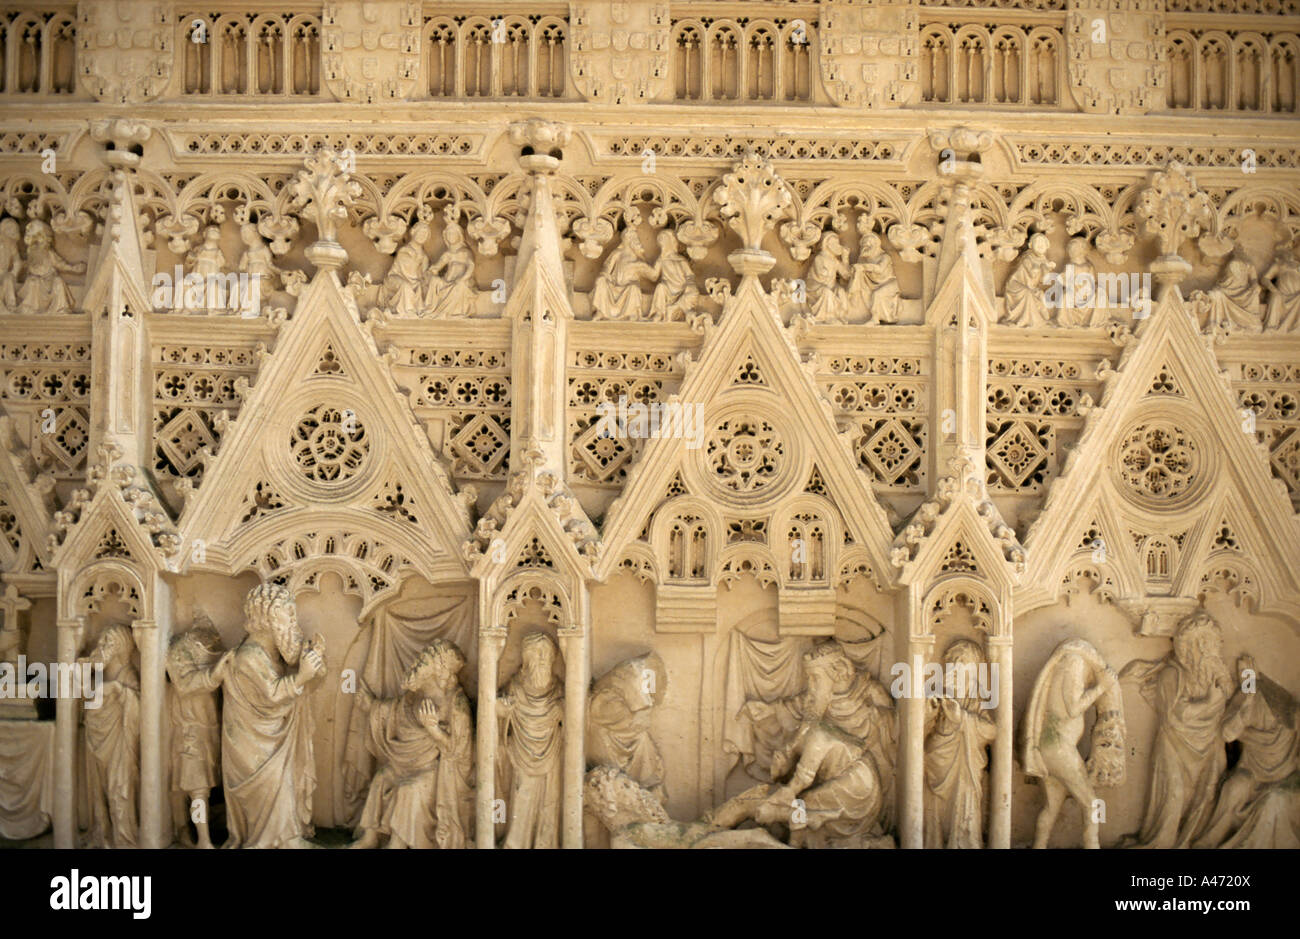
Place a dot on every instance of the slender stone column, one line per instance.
(577, 678)
(153, 699)
(491, 640)
(911, 746)
(1003, 747)
(66, 720)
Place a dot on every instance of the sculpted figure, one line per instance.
(837, 754)
(44, 290)
(422, 795)
(675, 295)
(1283, 281)
(873, 285)
(1079, 306)
(1024, 289)
(403, 288)
(957, 734)
(257, 261)
(195, 665)
(531, 710)
(451, 278)
(634, 818)
(1189, 691)
(11, 265)
(1233, 302)
(617, 293)
(826, 298)
(618, 721)
(1258, 804)
(113, 742)
(208, 259)
(1074, 679)
(268, 771)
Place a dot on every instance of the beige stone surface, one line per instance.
(677, 424)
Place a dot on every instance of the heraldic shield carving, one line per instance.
(371, 50)
(638, 36)
(869, 53)
(1117, 61)
(126, 49)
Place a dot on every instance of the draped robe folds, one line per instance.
(1284, 298)
(403, 287)
(1189, 755)
(1233, 303)
(113, 741)
(396, 638)
(403, 799)
(451, 293)
(865, 712)
(617, 293)
(196, 730)
(1026, 305)
(268, 771)
(44, 290)
(955, 760)
(1259, 803)
(875, 288)
(826, 299)
(531, 764)
(454, 789)
(619, 736)
(676, 293)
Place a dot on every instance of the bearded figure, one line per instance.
(833, 748)
(268, 769)
(531, 711)
(422, 796)
(1189, 691)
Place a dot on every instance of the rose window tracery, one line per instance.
(745, 455)
(1158, 461)
(329, 444)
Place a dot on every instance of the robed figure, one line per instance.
(113, 742)
(1259, 803)
(268, 770)
(958, 733)
(617, 292)
(1189, 691)
(422, 795)
(531, 711)
(833, 745)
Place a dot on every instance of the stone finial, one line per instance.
(1174, 210)
(541, 143)
(323, 192)
(753, 198)
(959, 150)
(120, 135)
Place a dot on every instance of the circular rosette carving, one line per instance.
(1160, 464)
(747, 457)
(329, 445)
